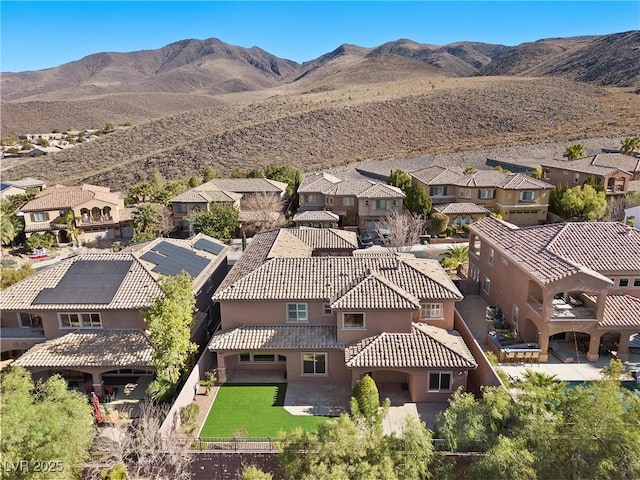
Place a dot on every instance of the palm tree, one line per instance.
(144, 219)
(455, 257)
(630, 145)
(73, 231)
(7, 230)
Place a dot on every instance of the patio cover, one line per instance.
(425, 347)
(90, 349)
(276, 337)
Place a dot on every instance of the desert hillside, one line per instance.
(337, 126)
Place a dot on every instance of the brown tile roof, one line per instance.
(38, 227)
(624, 162)
(460, 208)
(375, 292)
(381, 190)
(61, 197)
(358, 187)
(555, 251)
(621, 311)
(91, 348)
(247, 185)
(324, 278)
(437, 175)
(317, 182)
(315, 216)
(582, 165)
(137, 289)
(424, 347)
(276, 337)
(206, 196)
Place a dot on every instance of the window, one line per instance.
(264, 357)
(431, 310)
(352, 320)
(245, 357)
(326, 309)
(491, 255)
(181, 207)
(296, 312)
(260, 357)
(486, 193)
(439, 381)
(636, 282)
(474, 272)
(366, 203)
(527, 196)
(28, 320)
(314, 363)
(515, 315)
(309, 197)
(40, 216)
(437, 191)
(464, 193)
(624, 282)
(576, 178)
(458, 220)
(329, 200)
(348, 201)
(380, 205)
(486, 284)
(395, 203)
(80, 320)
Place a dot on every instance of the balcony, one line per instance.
(572, 310)
(22, 333)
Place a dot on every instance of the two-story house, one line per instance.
(84, 316)
(97, 211)
(318, 318)
(614, 180)
(357, 202)
(575, 284)
(518, 198)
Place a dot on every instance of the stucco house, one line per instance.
(614, 180)
(97, 211)
(574, 285)
(518, 198)
(84, 316)
(290, 304)
(357, 202)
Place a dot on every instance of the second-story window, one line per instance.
(431, 310)
(380, 205)
(486, 194)
(491, 255)
(181, 207)
(80, 320)
(329, 200)
(624, 282)
(29, 320)
(297, 312)
(527, 196)
(326, 309)
(352, 320)
(486, 284)
(347, 201)
(40, 216)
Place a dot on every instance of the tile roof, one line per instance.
(137, 290)
(359, 187)
(317, 182)
(91, 348)
(621, 311)
(375, 292)
(276, 337)
(437, 175)
(60, 197)
(316, 216)
(206, 196)
(555, 251)
(326, 278)
(424, 347)
(624, 162)
(582, 165)
(246, 185)
(381, 190)
(460, 208)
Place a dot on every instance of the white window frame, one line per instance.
(380, 202)
(39, 216)
(300, 307)
(492, 254)
(326, 309)
(464, 193)
(486, 284)
(345, 327)
(438, 191)
(276, 357)
(315, 373)
(487, 194)
(329, 201)
(576, 178)
(431, 310)
(348, 202)
(309, 197)
(440, 375)
(524, 195)
(515, 315)
(35, 320)
(82, 318)
(474, 272)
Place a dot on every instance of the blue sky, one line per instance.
(37, 35)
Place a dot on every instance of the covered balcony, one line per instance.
(573, 306)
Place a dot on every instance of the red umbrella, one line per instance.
(97, 411)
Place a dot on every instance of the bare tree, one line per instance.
(164, 220)
(266, 209)
(399, 231)
(140, 451)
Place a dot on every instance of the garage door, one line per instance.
(523, 217)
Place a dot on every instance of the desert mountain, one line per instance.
(212, 67)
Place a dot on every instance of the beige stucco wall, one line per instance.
(370, 210)
(446, 322)
(376, 322)
(236, 313)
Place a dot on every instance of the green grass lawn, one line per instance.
(255, 410)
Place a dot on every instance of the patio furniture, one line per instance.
(528, 358)
(110, 393)
(510, 357)
(519, 357)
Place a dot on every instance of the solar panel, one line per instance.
(87, 281)
(170, 259)
(208, 246)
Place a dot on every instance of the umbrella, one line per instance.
(97, 411)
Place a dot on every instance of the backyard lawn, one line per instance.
(255, 411)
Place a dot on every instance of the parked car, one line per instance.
(366, 240)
